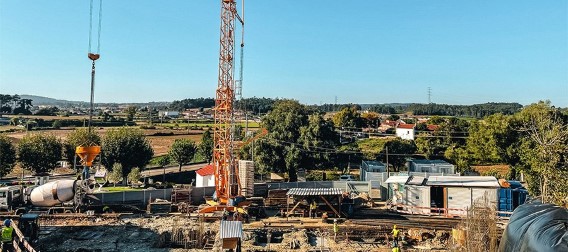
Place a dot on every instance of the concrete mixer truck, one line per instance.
(65, 195)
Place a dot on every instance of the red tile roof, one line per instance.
(405, 126)
(432, 127)
(206, 171)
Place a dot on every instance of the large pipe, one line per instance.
(53, 193)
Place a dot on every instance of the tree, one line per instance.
(23, 107)
(56, 124)
(348, 118)
(317, 135)
(79, 137)
(126, 146)
(163, 161)
(39, 153)
(50, 111)
(401, 150)
(182, 151)
(115, 175)
(429, 146)
(134, 176)
(7, 155)
(494, 140)
(283, 124)
(131, 112)
(544, 149)
(371, 119)
(206, 145)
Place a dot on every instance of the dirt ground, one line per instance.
(148, 234)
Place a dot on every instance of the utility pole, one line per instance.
(387, 152)
(335, 106)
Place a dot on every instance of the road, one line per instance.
(172, 169)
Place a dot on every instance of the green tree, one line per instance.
(134, 176)
(544, 149)
(460, 157)
(79, 137)
(7, 155)
(318, 135)
(126, 146)
(56, 124)
(401, 150)
(429, 146)
(206, 145)
(39, 153)
(182, 151)
(131, 112)
(163, 161)
(348, 118)
(494, 140)
(115, 175)
(283, 124)
(371, 119)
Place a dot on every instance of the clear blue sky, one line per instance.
(370, 51)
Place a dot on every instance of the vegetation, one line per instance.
(163, 161)
(256, 105)
(348, 118)
(134, 176)
(79, 137)
(7, 156)
(476, 110)
(192, 103)
(115, 176)
(15, 105)
(206, 146)
(39, 153)
(126, 146)
(182, 151)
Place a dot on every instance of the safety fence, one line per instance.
(20, 243)
(436, 211)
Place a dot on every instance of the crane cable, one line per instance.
(94, 56)
(99, 27)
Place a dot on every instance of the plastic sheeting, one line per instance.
(536, 227)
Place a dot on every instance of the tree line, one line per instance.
(475, 110)
(13, 104)
(123, 150)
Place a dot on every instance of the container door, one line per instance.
(459, 199)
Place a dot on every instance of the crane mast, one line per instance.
(226, 170)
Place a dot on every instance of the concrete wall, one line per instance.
(142, 196)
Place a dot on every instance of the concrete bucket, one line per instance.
(87, 154)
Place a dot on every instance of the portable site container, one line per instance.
(511, 198)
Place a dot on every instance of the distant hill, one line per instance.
(41, 100)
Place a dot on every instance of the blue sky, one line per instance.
(366, 51)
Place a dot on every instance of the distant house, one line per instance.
(431, 166)
(170, 114)
(205, 176)
(405, 131)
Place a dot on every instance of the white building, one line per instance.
(170, 114)
(405, 131)
(431, 166)
(205, 176)
(451, 195)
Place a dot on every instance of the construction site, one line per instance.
(228, 209)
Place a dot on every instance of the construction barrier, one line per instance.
(435, 211)
(20, 243)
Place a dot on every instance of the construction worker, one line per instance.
(7, 236)
(225, 214)
(395, 234)
(313, 207)
(335, 229)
